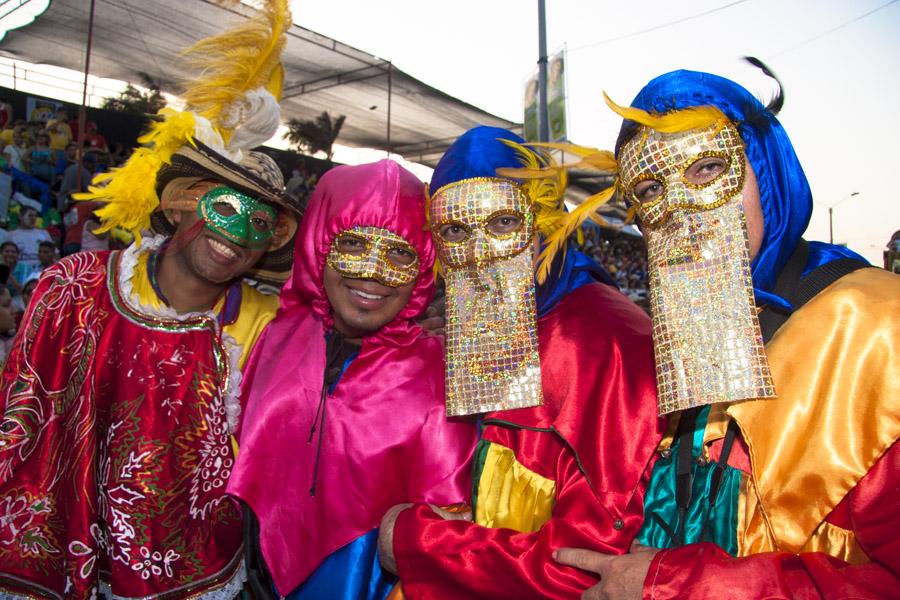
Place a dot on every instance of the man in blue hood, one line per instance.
(776, 359)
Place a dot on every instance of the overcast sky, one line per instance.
(839, 61)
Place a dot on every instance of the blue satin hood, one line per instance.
(784, 192)
(479, 153)
(476, 153)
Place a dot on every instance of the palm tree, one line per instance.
(132, 100)
(314, 136)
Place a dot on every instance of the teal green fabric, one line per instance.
(718, 525)
(481, 452)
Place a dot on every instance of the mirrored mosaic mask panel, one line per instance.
(655, 167)
(477, 221)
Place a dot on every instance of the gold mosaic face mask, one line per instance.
(706, 336)
(492, 343)
(470, 206)
(665, 160)
(374, 253)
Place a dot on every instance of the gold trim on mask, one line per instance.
(666, 157)
(472, 204)
(707, 343)
(373, 260)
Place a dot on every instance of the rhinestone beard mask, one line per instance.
(492, 343)
(706, 336)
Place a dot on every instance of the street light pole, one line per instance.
(830, 224)
(831, 216)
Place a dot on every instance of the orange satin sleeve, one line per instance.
(836, 367)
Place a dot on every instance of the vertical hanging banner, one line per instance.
(530, 121)
(556, 101)
(556, 97)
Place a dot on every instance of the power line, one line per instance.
(658, 27)
(832, 30)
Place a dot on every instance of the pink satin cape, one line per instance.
(386, 439)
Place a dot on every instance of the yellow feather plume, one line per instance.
(569, 224)
(685, 119)
(591, 158)
(237, 61)
(129, 192)
(545, 183)
(545, 187)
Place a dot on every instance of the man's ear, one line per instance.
(174, 216)
(285, 228)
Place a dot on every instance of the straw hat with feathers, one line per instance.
(232, 106)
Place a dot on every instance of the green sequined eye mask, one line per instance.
(237, 217)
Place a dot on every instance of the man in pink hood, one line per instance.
(344, 393)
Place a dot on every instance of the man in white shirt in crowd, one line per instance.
(28, 237)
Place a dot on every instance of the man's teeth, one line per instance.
(222, 248)
(362, 294)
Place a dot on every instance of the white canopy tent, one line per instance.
(386, 108)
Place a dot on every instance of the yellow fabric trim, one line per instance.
(836, 367)
(256, 309)
(836, 541)
(511, 496)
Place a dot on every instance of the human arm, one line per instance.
(459, 559)
(49, 360)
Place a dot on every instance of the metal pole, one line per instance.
(82, 112)
(390, 93)
(830, 225)
(543, 116)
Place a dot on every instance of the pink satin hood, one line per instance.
(381, 194)
(385, 438)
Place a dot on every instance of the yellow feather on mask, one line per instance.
(129, 192)
(545, 187)
(685, 119)
(237, 61)
(591, 158)
(569, 224)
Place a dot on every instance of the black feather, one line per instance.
(776, 104)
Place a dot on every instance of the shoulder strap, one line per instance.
(799, 290)
(823, 276)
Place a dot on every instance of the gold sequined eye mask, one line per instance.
(471, 204)
(374, 253)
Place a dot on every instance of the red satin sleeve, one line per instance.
(459, 559)
(706, 571)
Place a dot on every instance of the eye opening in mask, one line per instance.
(497, 229)
(402, 257)
(453, 232)
(647, 190)
(706, 168)
(262, 221)
(224, 208)
(348, 243)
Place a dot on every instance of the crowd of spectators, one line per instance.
(302, 183)
(39, 221)
(624, 256)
